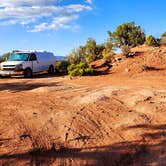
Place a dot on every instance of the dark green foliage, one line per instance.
(163, 39)
(107, 55)
(128, 34)
(90, 50)
(93, 51)
(164, 34)
(76, 69)
(125, 51)
(152, 41)
(108, 52)
(99, 50)
(125, 37)
(62, 66)
(1, 60)
(87, 53)
(89, 71)
(111, 42)
(76, 56)
(4, 57)
(81, 57)
(79, 70)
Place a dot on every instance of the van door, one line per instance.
(34, 63)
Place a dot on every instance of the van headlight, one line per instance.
(19, 67)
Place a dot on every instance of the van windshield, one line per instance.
(19, 57)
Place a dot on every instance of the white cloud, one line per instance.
(40, 14)
(89, 1)
(59, 22)
(26, 2)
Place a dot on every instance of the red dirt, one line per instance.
(112, 119)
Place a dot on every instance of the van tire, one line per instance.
(28, 73)
(51, 69)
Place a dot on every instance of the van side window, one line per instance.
(33, 57)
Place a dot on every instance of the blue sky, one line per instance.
(61, 25)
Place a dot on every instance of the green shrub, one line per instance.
(76, 72)
(74, 66)
(89, 71)
(80, 69)
(76, 69)
(1, 60)
(164, 34)
(128, 34)
(62, 65)
(4, 57)
(108, 54)
(152, 41)
(163, 41)
(125, 51)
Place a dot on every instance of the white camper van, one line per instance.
(27, 63)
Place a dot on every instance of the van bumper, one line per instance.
(10, 73)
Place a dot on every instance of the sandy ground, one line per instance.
(100, 120)
(114, 119)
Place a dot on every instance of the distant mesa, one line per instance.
(60, 58)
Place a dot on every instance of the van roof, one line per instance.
(30, 51)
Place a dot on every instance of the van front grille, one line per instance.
(8, 66)
(8, 69)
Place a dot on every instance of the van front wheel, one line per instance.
(51, 69)
(28, 73)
